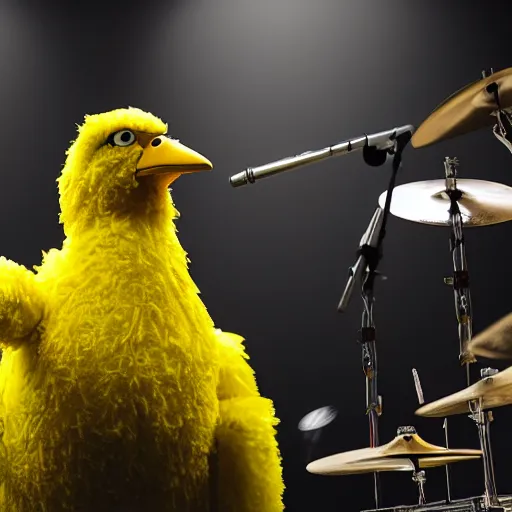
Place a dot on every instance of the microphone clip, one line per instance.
(375, 157)
(369, 254)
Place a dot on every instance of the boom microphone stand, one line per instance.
(365, 269)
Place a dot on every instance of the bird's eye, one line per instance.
(122, 138)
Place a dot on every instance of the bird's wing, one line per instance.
(248, 462)
(21, 303)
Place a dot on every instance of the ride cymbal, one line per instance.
(393, 456)
(495, 391)
(482, 203)
(469, 109)
(494, 342)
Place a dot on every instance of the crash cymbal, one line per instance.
(469, 109)
(495, 342)
(482, 202)
(393, 456)
(495, 391)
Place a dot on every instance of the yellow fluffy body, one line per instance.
(117, 392)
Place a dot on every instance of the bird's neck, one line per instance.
(130, 243)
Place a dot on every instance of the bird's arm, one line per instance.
(249, 473)
(21, 303)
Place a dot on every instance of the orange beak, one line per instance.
(162, 155)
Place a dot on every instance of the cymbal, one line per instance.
(482, 202)
(469, 109)
(393, 456)
(336, 467)
(495, 391)
(495, 342)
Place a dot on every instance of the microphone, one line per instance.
(367, 246)
(371, 144)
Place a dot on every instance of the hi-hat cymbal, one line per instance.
(495, 391)
(495, 342)
(393, 456)
(339, 468)
(482, 202)
(469, 109)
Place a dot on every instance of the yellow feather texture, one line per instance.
(249, 470)
(249, 467)
(112, 370)
(21, 304)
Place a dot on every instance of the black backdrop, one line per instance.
(246, 82)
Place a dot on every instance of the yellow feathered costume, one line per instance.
(117, 392)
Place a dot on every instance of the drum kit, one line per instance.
(458, 204)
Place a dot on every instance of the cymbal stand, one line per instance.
(446, 468)
(369, 363)
(420, 478)
(463, 310)
(365, 268)
(460, 279)
(503, 127)
(483, 421)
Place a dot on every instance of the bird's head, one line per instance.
(120, 166)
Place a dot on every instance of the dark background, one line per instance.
(246, 82)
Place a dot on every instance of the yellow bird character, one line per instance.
(117, 393)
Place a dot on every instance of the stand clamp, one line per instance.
(503, 128)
